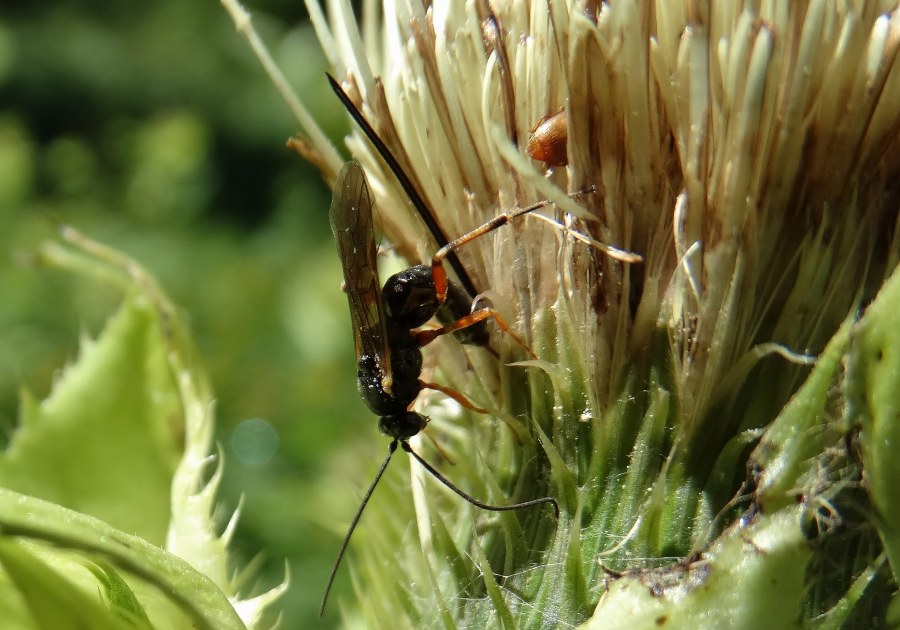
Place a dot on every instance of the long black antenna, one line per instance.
(472, 500)
(362, 506)
(414, 197)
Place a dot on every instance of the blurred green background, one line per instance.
(152, 128)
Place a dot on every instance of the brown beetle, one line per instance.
(549, 140)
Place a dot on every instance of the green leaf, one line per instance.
(51, 600)
(803, 430)
(119, 595)
(106, 440)
(31, 518)
(751, 577)
(874, 375)
(107, 443)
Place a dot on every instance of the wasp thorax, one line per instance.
(409, 296)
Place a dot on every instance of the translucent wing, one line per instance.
(351, 222)
(406, 183)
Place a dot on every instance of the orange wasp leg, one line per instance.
(425, 337)
(437, 261)
(465, 402)
(455, 395)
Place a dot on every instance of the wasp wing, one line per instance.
(351, 222)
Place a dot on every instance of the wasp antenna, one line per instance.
(405, 182)
(389, 159)
(362, 506)
(473, 500)
(384, 152)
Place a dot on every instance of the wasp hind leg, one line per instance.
(468, 404)
(455, 395)
(425, 337)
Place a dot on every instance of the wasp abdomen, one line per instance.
(394, 394)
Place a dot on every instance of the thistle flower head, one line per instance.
(740, 163)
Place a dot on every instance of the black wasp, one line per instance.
(388, 346)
